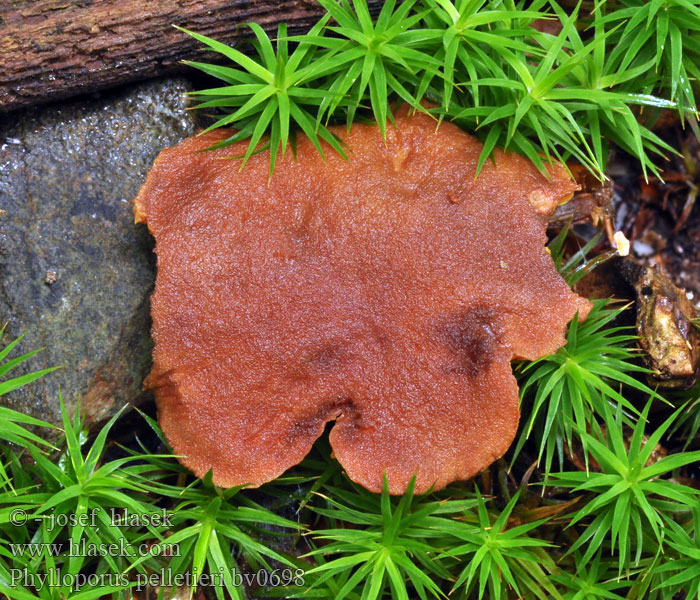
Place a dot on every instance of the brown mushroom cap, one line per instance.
(387, 293)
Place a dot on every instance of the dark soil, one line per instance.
(661, 217)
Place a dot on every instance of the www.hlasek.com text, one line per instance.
(83, 547)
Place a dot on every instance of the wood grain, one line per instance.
(53, 49)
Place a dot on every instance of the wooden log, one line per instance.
(53, 49)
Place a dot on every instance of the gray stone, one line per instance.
(75, 272)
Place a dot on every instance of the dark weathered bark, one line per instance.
(51, 49)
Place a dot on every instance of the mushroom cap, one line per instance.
(387, 293)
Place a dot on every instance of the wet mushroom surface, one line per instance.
(387, 293)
